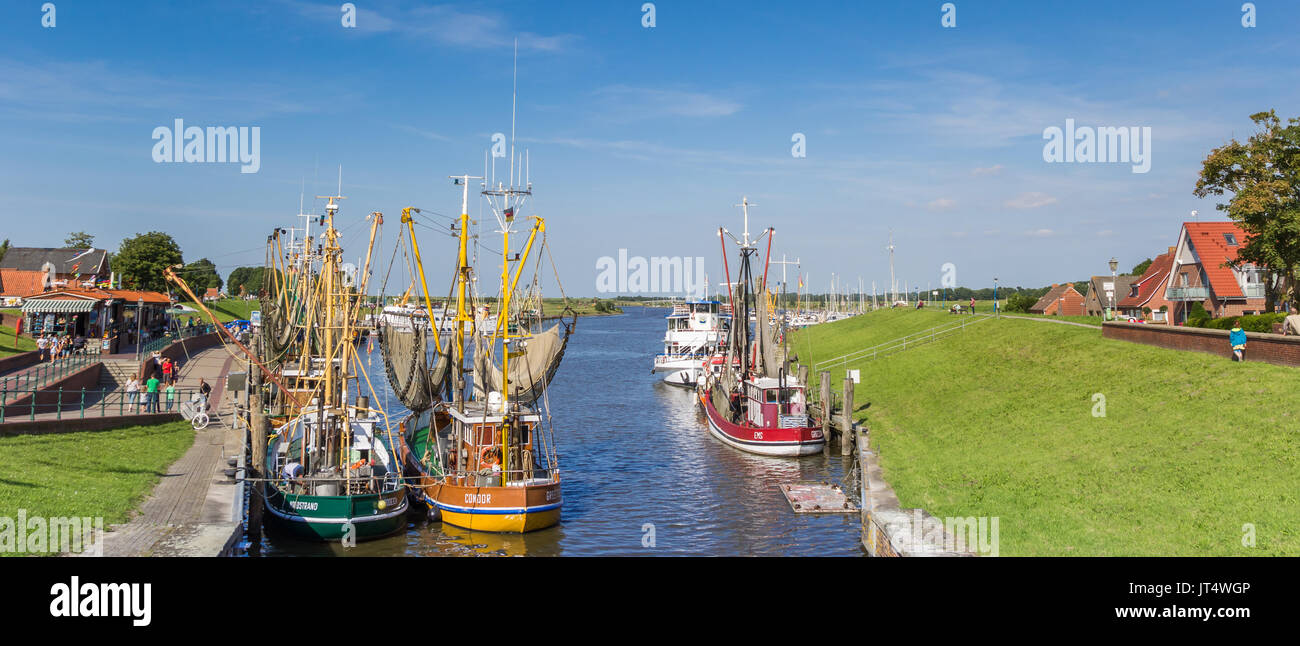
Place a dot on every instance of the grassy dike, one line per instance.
(92, 473)
(998, 421)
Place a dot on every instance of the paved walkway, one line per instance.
(193, 510)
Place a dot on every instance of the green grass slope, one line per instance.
(1193, 451)
(91, 473)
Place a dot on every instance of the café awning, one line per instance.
(57, 306)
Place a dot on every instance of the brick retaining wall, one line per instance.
(1269, 348)
(47, 396)
(73, 424)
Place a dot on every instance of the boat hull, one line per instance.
(513, 509)
(332, 518)
(780, 442)
(685, 378)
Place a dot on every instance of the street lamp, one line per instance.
(995, 296)
(139, 328)
(1114, 264)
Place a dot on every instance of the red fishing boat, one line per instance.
(751, 401)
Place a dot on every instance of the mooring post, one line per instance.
(259, 427)
(803, 375)
(846, 433)
(828, 408)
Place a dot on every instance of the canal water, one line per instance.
(642, 475)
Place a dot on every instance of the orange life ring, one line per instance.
(489, 456)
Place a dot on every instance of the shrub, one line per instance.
(1020, 302)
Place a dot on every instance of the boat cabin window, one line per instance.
(770, 396)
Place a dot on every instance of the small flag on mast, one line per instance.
(510, 214)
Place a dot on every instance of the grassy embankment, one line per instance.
(7, 343)
(1192, 452)
(91, 473)
(226, 309)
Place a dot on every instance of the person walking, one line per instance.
(43, 346)
(167, 370)
(171, 396)
(151, 395)
(204, 390)
(972, 305)
(133, 393)
(1237, 339)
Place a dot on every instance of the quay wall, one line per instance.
(1268, 348)
(19, 361)
(47, 397)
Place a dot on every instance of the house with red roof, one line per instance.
(1200, 273)
(32, 270)
(1062, 300)
(1146, 295)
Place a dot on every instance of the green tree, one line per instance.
(1020, 302)
(79, 240)
(4, 248)
(1263, 176)
(201, 274)
(141, 260)
(1141, 268)
(245, 280)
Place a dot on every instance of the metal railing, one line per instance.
(901, 343)
(99, 403)
(1254, 290)
(45, 372)
(172, 336)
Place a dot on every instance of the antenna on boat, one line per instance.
(746, 243)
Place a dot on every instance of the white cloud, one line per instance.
(1040, 233)
(444, 24)
(941, 204)
(1030, 200)
(991, 170)
(626, 103)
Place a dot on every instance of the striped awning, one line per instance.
(58, 306)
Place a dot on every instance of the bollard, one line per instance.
(803, 375)
(827, 408)
(58, 411)
(846, 433)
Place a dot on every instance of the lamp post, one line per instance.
(139, 328)
(1114, 264)
(995, 297)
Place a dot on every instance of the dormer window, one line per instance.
(1230, 239)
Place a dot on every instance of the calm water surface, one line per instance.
(634, 451)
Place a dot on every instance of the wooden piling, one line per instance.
(259, 428)
(828, 408)
(803, 375)
(846, 425)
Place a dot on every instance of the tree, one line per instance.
(4, 248)
(79, 240)
(1263, 176)
(1020, 302)
(245, 280)
(200, 275)
(141, 260)
(1141, 268)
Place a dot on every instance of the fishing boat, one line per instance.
(479, 447)
(696, 331)
(750, 400)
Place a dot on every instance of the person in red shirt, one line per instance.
(168, 370)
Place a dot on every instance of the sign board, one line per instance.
(855, 376)
(1109, 287)
(255, 318)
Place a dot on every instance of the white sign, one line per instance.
(854, 375)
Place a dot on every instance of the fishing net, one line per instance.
(532, 365)
(405, 348)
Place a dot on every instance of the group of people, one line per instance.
(54, 347)
(157, 384)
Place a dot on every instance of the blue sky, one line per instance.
(643, 138)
